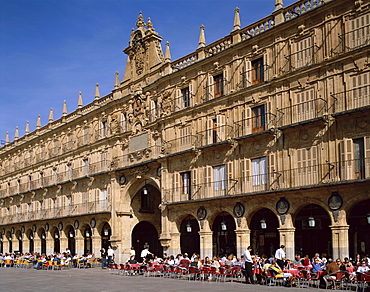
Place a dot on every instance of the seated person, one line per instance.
(317, 265)
(298, 261)
(363, 268)
(278, 273)
(132, 260)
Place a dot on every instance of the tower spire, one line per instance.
(7, 138)
(38, 124)
(278, 4)
(97, 93)
(116, 81)
(16, 135)
(51, 116)
(27, 131)
(236, 19)
(79, 104)
(64, 112)
(202, 38)
(168, 53)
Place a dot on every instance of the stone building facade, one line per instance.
(261, 138)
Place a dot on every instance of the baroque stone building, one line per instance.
(261, 138)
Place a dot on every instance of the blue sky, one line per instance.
(52, 49)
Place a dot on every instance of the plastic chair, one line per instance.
(337, 280)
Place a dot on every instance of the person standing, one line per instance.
(110, 253)
(280, 257)
(248, 262)
(103, 255)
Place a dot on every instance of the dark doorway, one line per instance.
(189, 239)
(145, 235)
(105, 236)
(224, 238)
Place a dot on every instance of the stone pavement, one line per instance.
(95, 279)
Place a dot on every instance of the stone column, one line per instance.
(49, 244)
(206, 244)
(173, 247)
(243, 238)
(36, 243)
(287, 239)
(63, 241)
(5, 245)
(340, 241)
(79, 242)
(96, 242)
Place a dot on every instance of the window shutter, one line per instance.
(248, 73)
(367, 157)
(194, 181)
(345, 147)
(247, 121)
(191, 93)
(272, 167)
(266, 67)
(210, 88)
(209, 131)
(230, 173)
(221, 127)
(178, 100)
(208, 180)
(226, 81)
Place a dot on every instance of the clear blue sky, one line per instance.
(52, 49)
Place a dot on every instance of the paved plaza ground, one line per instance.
(95, 279)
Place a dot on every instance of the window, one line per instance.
(257, 71)
(185, 93)
(185, 138)
(304, 53)
(216, 129)
(305, 108)
(359, 31)
(359, 157)
(361, 91)
(85, 165)
(104, 198)
(69, 142)
(104, 129)
(259, 169)
(219, 175)
(185, 183)
(86, 136)
(55, 175)
(218, 85)
(259, 119)
(69, 171)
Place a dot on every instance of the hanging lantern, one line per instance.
(188, 227)
(368, 218)
(223, 226)
(87, 234)
(56, 235)
(311, 221)
(71, 234)
(106, 232)
(263, 224)
(145, 191)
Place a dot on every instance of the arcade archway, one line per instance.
(145, 235)
(189, 238)
(224, 237)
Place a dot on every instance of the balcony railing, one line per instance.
(356, 38)
(215, 135)
(180, 144)
(102, 206)
(309, 176)
(352, 99)
(254, 125)
(301, 112)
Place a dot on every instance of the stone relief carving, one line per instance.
(140, 171)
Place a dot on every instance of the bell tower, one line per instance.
(144, 51)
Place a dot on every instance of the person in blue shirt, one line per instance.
(317, 266)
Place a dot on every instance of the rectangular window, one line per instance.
(218, 85)
(86, 136)
(359, 157)
(104, 198)
(185, 94)
(259, 119)
(219, 176)
(257, 71)
(85, 165)
(359, 34)
(305, 108)
(55, 176)
(304, 53)
(69, 171)
(361, 91)
(185, 182)
(259, 171)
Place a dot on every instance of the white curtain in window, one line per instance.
(220, 177)
(259, 171)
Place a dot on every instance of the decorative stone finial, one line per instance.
(140, 22)
(7, 138)
(51, 116)
(278, 4)
(236, 19)
(168, 53)
(202, 38)
(116, 82)
(38, 124)
(149, 24)
(64, 108)
(97, 92)
(16, 135)
(27, 131)
(79, 104)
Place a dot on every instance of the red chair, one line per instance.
(337, 280)
(113, 268)
(365, 281)
(193, 273)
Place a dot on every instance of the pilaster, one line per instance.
(243, 238)
(340, 241)
(205, 244)
(287, 239)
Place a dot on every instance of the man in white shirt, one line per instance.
(144, 253)
(248, 262)
(110, 253)
(280, 257)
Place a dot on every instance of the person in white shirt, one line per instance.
(110, 253)
(248, 262)
(280, 257)
(363, 268)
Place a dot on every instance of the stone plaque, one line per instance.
(139, 142)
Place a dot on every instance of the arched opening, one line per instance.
(145, 235)
(71, 240)
(56, 238)
(10, 241)
(189, 238)
(224, 237)
(1, 244)
(264, 232)
(105, 236)
(20, 242)
(87, 240)
(43, 241)
(312, 234)
(359, 229)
